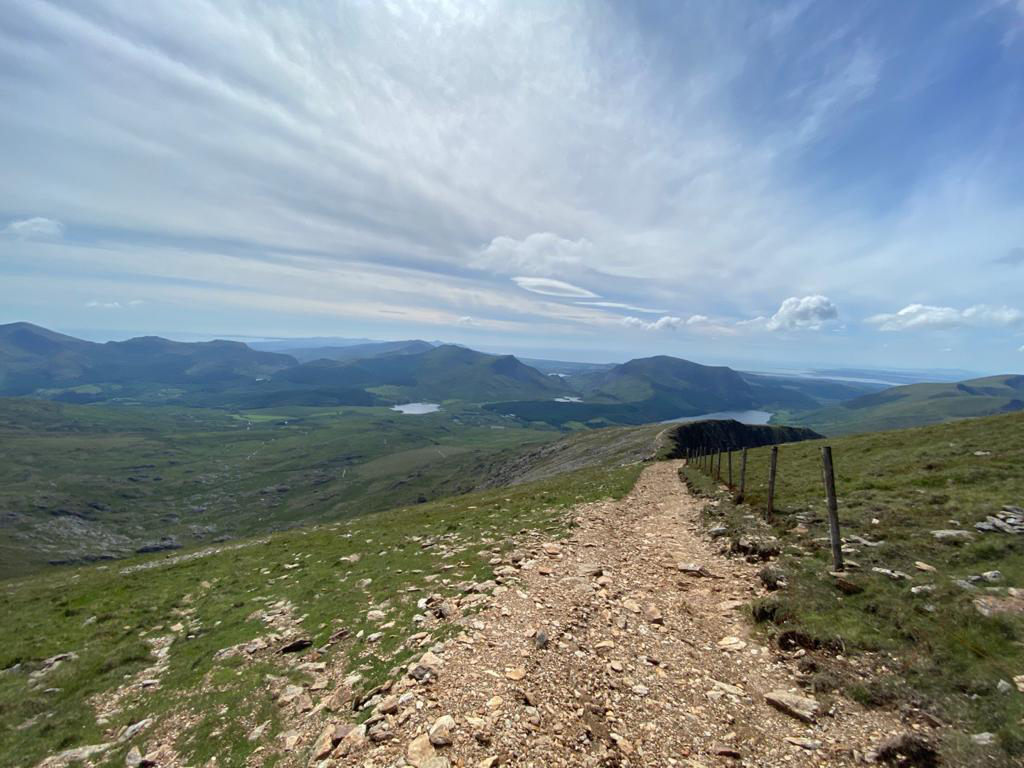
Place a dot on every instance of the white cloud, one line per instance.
(698, 320)
(36, 227)
(542, 253)
(926, 317)
(466, 321)
(549, 287)
(617, 305)
(803, 313)
(668, 322)
(96, 304)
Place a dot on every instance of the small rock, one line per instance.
(731, 643)
(984, 739)
(552, 549)
(299, 644)
(440, 733)
(807, 744)
(952, 535)
(420, 751)
(540, 639)
(133, 759)
(653, 615)
(922, 566)
(515, 673)
(801, 707)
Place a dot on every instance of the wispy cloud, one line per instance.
(550, 287)
(1012, 257)
(925, 317)
(618, 305)
(542, 253)
(36, 227)
(404, 174)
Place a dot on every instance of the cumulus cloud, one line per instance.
(36, 227)
(668, 322)
(542, 253)
(466, 321)
(698, 320)
(550, 287)
(802, 313)
(926, 317)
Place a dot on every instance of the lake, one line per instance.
(417, 409)
(743, 417)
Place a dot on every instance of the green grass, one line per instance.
(914, 405)
(897, 487)
(82, 482)
(103, 613)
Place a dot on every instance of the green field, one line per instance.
(105, 613)
(94, 482)
(933, 651)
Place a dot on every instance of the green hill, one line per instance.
(36, 361)
(917, 405)
(443, 373)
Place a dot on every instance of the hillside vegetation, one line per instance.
(318, 585)
(917, 405)
(941, 628)
(94, 482)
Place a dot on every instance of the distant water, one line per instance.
(743, 417)
(416, 408)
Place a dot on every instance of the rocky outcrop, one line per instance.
(729, 435)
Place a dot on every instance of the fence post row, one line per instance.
(743, 477)
(730, 468)
(770, 512)
(833, 507)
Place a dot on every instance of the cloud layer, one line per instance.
(563, 174)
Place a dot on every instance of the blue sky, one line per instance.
(769, 183)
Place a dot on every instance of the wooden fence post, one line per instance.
(730, 468)
(718, 467)
(833, 508)
(743, 477)
(770, 512)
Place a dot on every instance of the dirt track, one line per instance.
(645, 664)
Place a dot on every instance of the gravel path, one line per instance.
(604, 652)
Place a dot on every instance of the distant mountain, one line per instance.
(689, 387)
(643, 390)
(918, 405)
(37, 361)
(361, 351)
(447, 372)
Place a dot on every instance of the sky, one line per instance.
(767, 183)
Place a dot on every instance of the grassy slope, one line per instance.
(915, 405)
(52, 613)
(912, 481)
(200, 474)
